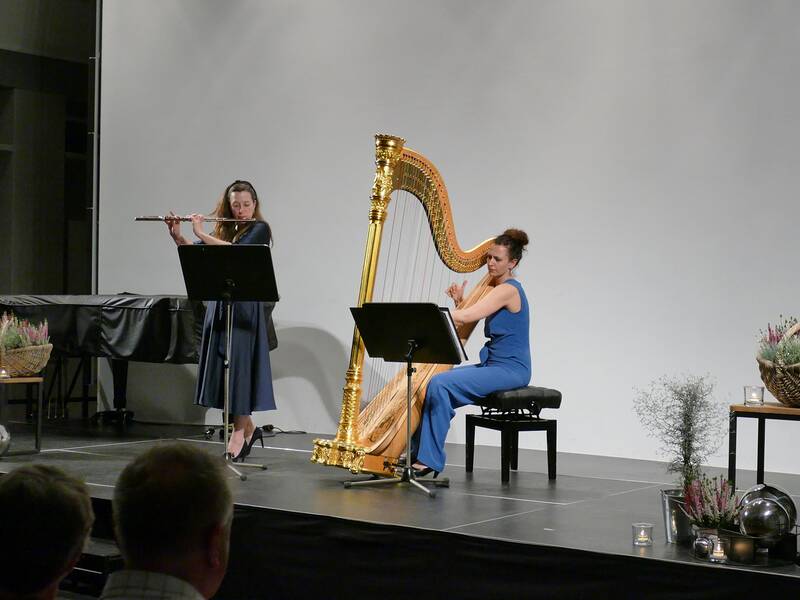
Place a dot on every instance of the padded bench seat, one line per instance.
(510, 412)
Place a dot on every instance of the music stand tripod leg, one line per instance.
(228, 458)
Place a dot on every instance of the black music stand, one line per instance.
(408, 332)
(229, 273)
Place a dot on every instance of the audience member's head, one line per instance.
(172, 514)
(45, 519)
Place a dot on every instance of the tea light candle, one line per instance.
(754, 395)
(718, 553)
(642, 534)
(4, 374)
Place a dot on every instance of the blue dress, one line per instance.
(250, 371)
(505, 365)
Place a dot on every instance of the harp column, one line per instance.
(344, 450)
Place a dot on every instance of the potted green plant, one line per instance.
(682, 414)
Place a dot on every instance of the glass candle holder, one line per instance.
(4, 374)
(719, 552)
(642, 534)
(754, 395)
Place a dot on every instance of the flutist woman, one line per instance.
(250, 372)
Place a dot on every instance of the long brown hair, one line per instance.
(229, 232)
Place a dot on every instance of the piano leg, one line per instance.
(119, 369)
(86, 371)
(120, 415)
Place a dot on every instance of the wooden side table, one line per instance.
(39, 382)
(770, 410)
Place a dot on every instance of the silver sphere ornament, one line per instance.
(767, 512)
(703, 547)
(5, 440)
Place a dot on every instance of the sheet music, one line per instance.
(451, 326)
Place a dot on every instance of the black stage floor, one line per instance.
(298, 532)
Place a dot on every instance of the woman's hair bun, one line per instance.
(517, 235)
(515, 240)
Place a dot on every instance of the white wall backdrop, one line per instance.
(648, 148)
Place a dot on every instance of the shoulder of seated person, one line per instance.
(506, 287)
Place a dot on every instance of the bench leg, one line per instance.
(760, 457)
(551, 451)
(514, 449)
(29, 402)
(732, 449)
(470, 444)
(39, 410)
(505, 453)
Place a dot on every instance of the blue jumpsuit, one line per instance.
(505, 365)
(251, 374)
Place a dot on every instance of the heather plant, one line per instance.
(788, 351)
(711, 503)
(774, 348)
(20, 333)
(683, 416)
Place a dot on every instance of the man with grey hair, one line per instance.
(172, 516)
(45, 519)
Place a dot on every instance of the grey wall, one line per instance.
(60, 29)
(45, 47)
(649, 148)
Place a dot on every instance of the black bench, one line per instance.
(510, 412)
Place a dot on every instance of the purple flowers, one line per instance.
(16, 333)
(770, 345)
(711, 502)
(773, 335)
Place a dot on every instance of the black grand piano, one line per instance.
(121, 328)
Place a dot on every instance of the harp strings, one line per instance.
(409, 270)
(375, 370)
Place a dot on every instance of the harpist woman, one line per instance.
(505, 358)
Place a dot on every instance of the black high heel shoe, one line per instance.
(425, 471)
(248, 446)
(258, 434)
(242, 453)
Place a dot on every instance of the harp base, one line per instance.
(334, 453)
(354, 458)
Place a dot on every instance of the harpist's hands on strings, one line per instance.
(456, 292)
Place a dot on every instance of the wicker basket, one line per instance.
(783, 381)
(22, 362)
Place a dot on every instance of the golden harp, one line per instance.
(373, 438)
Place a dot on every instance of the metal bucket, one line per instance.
(677, 527)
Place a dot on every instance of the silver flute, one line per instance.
(180, 218)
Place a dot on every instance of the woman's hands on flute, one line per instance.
(173, 222)
(197, 224)
(174, 226)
